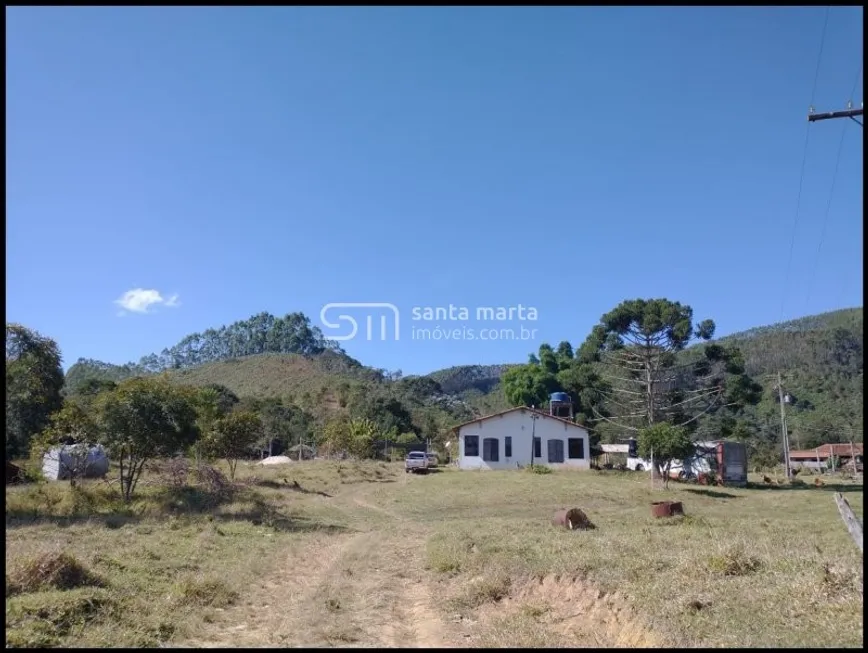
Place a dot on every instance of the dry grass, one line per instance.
(360, 554)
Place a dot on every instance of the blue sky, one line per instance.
(238, 160)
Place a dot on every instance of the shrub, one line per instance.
(59, 571)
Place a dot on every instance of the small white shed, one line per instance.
(58, 463)
(519, 436)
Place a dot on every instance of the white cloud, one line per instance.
(140, 300)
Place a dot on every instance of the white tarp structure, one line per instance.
(84, 462)
(276, 460)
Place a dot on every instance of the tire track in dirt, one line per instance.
(573, 613)
(278, 598)
(418, 625)
(364, 589)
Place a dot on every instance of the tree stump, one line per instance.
(572, 519)
(667, 508)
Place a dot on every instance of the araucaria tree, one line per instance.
(639, 348)
(142, 419)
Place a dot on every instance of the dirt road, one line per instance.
(360, 589)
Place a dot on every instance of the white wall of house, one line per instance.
(509, 436)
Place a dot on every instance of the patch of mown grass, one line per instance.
(761, 548)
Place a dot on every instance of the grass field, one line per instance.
(361, 554)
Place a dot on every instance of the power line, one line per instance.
(826, 215)
(845, 286)
(786, 280)
(804, 160)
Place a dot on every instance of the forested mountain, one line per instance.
(820, 358)
(288, 361)
(260, 334)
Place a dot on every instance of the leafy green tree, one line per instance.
(387, 413)
(664, 443)
(92, 387)
(637, 347)
(362, 434)
(564, 351)
(142, 419)
(529, 385)
(407, 438)
(554, 371)
(211, 402)
(34, 379)
(355, 437)
(335, 436)
(232, 437)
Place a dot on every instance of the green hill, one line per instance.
(820, 358)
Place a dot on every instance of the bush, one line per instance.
(539, 469)
(59, 571)
(211, 592)
(734, 562)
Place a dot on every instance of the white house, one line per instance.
(508, 439)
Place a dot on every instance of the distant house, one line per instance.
(819, 458)
(519, 436)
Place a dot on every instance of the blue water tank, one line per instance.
(560, 396)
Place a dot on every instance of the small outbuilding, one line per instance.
(82, 461)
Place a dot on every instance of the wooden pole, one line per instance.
(533, 418)
(850, 521)
(830, 115)
(785, 437)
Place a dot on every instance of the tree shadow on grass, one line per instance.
(828, 487)
(186, 501)
(713, 494)
(294, 486)
(113, 521)
(282, 523)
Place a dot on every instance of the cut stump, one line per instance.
(572, 519)
(667, 508)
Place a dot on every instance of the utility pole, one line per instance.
(849, 112)
(784, 431)
(533, 418)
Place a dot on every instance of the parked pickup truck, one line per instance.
(416, 461)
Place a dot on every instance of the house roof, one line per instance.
(827, 450)
(521, 408)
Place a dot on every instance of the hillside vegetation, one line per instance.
(820, 358)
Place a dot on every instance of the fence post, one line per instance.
(850, 521)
